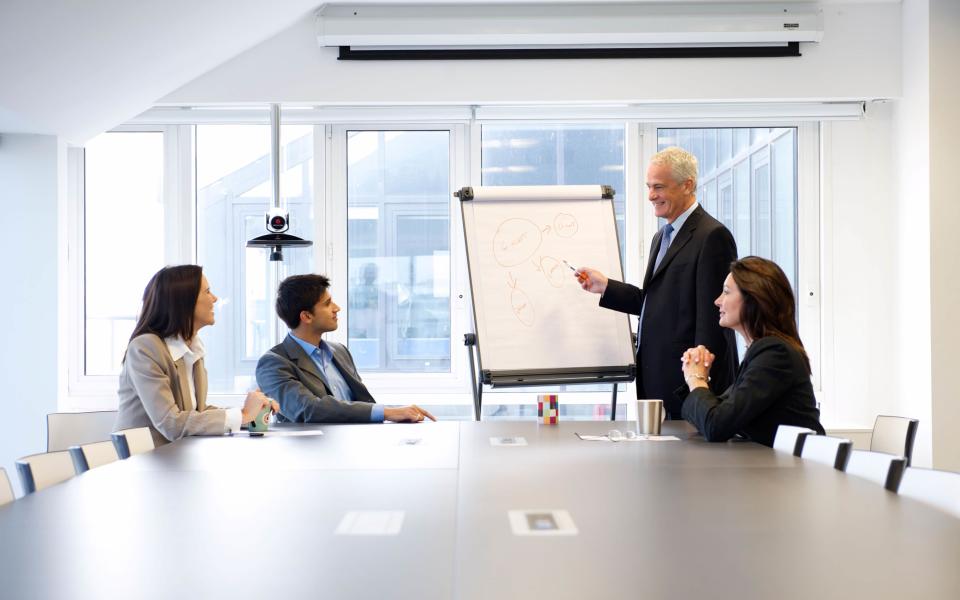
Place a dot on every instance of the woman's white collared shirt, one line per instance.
(190, 354)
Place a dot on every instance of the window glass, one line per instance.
(725, 207)
(557, 155)
(725, 146)
(783, 157)
(741, 140)
(708, 165)
(742, 217)
(761, 207)
(233, 195)
(123, 239)
(751, 187)
(398, 228)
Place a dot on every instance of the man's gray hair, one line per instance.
(683, 165)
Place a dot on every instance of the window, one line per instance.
(556, 154)
(398, 236)
(753, 188)
(563, 154)
(748, 181)
(233, 192)
(377, 201)
(123, 177)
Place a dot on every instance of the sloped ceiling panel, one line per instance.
(75, 69)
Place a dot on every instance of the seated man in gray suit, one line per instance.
(315, 381)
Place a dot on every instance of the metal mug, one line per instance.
(650, 415)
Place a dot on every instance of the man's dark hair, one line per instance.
(169, 301)
(299, 293)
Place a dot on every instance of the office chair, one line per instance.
(894, 435)
(878, 467)
(937, 488)
(827, 450)
(790, 438)
(40, 471)
(132, 441)
(6, 490)
(89, 456)
(76, 429)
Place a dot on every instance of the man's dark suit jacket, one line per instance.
(680, 313)
(773, 388)
(290, 377)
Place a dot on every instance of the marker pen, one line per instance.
(580, 276)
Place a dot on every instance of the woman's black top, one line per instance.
(772, 388)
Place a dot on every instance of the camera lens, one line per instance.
(278, 222)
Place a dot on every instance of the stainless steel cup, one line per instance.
(649, 416)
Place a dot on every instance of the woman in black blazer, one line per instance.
(772, 386)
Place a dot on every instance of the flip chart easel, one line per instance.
(534, 324)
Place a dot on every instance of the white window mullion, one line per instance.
(809, 299)
(179, 192)
(461, 309)
(335, 228)
(98, 392)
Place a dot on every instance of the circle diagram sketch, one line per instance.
(515, 241)
(554, 270)
(520, 303)
(566, 225)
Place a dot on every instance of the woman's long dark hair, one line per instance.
(169, 301)
(768, 308)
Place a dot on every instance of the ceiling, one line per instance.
(77, 68)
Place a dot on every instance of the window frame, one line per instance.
(398, 387)
(330, 209)
(809, 269)
(97, 392)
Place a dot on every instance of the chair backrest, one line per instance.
(939, 488)
(6, 490)
(76, 429)
(40, 471)
(133, 441)
(878, 467)
(828, 450)
(789, 438)
(90, 456)
(894, 435)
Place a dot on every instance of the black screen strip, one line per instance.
(790, 49)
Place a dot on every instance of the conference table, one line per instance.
(431, 511)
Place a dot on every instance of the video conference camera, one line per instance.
(278, 220)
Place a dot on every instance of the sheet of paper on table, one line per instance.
(640, 438)
(292, 433)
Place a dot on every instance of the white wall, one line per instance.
(944, 156)
(858, 58)
(859, 249)
(912, 147)
(927, 130)
(30, 186)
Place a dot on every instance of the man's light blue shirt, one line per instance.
(322, 356)
(679, 221)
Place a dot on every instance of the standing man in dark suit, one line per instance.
(315, 381)
(689, 259)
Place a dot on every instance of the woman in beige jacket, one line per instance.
(163, 382)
